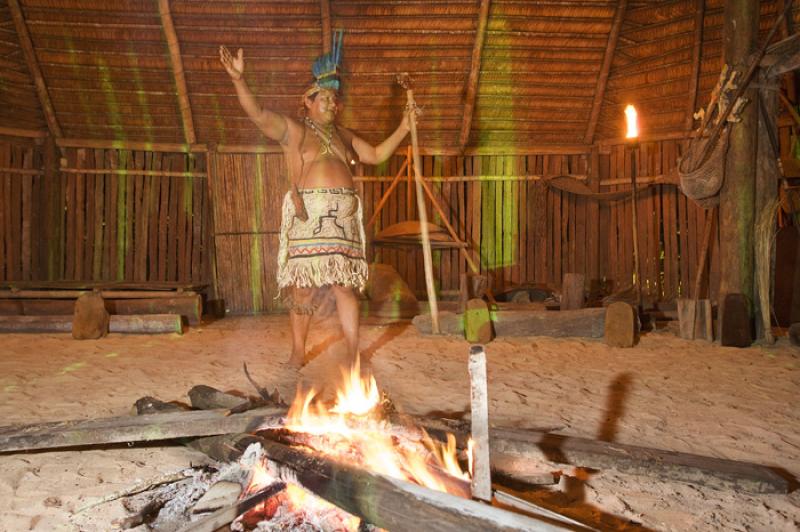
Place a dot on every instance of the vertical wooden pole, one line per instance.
(637, 271)
(766, 192)
(481, 467)
(737, 196)
(423, 215)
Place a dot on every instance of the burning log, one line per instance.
(394, 504)
(126, 429)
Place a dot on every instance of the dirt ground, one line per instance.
(666, 393)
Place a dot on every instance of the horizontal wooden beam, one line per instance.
(534, 149)
(530, 149)
(129, 171)
(131, 145)
(20, 132)
(457, 178)
(605, 145)
(21, 171)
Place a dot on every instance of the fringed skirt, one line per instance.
(326, 249)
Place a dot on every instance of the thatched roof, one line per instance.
(108, 72)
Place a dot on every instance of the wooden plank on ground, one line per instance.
(129, 429)
(516, 444)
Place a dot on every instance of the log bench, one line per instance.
(57, 298)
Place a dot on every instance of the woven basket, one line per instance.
(702, 179)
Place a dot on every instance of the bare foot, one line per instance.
(297, 361)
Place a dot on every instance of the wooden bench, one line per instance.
(57, 298)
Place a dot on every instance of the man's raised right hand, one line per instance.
(233, 65)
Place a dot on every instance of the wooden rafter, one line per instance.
(782, 57)
(697, 52)
(177, 71)
(602, 78)
(325, 15)
(20, 132)
(474, 73)
(33, 66)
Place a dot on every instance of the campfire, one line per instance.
(355, 430)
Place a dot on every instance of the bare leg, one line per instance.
(347, 308)
(300, 320)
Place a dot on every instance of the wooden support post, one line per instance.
(737, 195)
(177, 71)
(474, 73)
(572, 291)
(479, 401)
(768, 174)
(602, 78)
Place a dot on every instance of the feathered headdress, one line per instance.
(326, 67)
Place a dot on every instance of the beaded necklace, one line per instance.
(325, 137)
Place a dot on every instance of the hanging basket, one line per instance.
(701, 179)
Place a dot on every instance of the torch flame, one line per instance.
(631, 119)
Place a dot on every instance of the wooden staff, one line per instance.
(411, 109)
(635, 222)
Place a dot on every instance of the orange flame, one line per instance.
(631, 119)
(353, 433)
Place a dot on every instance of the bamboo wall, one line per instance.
(100, 216)
(113, 221)
(524, 231)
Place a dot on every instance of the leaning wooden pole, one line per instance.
(423, 214)
(177, 71)
(32, 62)
(737, 195)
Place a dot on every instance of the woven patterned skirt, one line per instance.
(326, 249)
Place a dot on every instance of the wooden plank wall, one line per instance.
(670, 227)
(145, 228)
(522, 231)
(118, 225)
(21, 189)
(248, 190)
(519, 229)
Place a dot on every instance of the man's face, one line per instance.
(324, 107)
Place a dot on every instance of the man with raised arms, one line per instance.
(322, 231)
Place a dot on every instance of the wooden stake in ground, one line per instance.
(479, 395)
(404, 81)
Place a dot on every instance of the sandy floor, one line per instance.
(669, 393)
